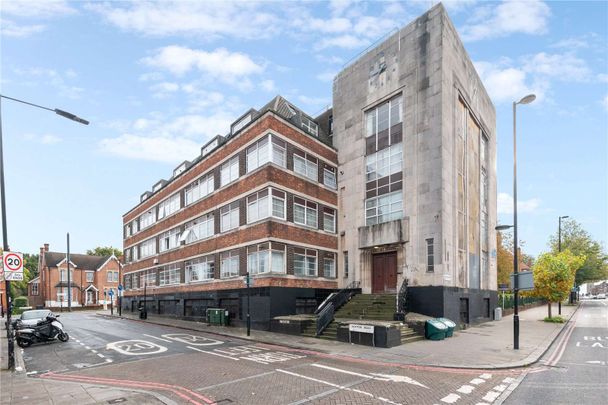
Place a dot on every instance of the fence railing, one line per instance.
(402, 297)
(325, 311)
(507, 301)
(326, 316)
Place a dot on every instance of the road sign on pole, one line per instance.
(13, 266)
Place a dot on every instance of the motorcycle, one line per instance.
(44, 331)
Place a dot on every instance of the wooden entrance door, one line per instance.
(384, 273)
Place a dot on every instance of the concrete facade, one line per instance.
(444, 110)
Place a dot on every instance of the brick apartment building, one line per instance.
(261, 199)
(90, 277)
(397, 182)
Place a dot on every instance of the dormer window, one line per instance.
(179, 170)
(157, 187)
(310, 126)
(237, 126)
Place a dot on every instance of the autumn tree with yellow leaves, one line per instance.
(554, 275)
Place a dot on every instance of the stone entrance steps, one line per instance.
(369, 306)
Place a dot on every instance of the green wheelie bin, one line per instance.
(435, 330)
(450, 324)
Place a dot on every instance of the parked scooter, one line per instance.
(45, 331)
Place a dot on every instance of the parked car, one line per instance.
(601, 296)
(31, 318)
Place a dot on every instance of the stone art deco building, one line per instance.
(262, 200)
(396, 182)
(416, 140)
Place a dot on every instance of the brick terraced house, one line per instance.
(90, 277)
(261, 199)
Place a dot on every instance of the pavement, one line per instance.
(485, 346)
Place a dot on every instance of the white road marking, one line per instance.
(87, 347)
(450, 399)
(508, 380)
(215, 354)
(77, 340)
(101, 355)
(31, 372)
(192, 339)
(500, 388)
(596, 362)
(81, 344)
(109, 360)
(466, 389)
(94, 351)
(154, 337)
(491, 396)
(486, 376)
(338, 386)
(477, 381)
(136, 347)
(375, 376)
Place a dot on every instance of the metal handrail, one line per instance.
(326, 316)
(339, 298)
(402, 297)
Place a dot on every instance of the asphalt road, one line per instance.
(199, 368)
(578, 364)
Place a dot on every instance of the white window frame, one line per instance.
(149, 276)
(266, 150)
(372, 115)
(169, 240)
(384, 162)
(259, 208)
(135, 253)
(393, 207)
(305, 167)
(307, 212)
(198, 189)
(109, 276)
(199, 229)
(63, 275)
(310, 126)
(229, 264)
(229, 171)
(203, 267)
(169, 275)
(329, 178)
(256, 255)
(169, 206)
(332, 217)
(147, 218)
(331, 261)
(91, 275)
(229, 213)
(148, 248)
(35, 288)
(308, 260)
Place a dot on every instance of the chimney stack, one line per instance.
(46, 247)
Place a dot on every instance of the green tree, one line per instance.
(30, 262)
(105, 251)
(579, 242)
(19, 288)
(554, 275)
(504, 258)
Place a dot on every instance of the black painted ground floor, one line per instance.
(266, 303)
(462, 305)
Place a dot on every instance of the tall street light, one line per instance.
(559, 249)
(65, 114)
(526, 100)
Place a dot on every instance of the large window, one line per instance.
(169, 206)
(90, 276)
(384, 125)
(135, 253)
(264, 258)
(198, 229)
(265, 203)
(229, 216)
(200, 269)
(229, 264)
(304, 212)
(383, 209)
(384, 171)
(306, 165)
(329, 177)
(305, 262)
(329, 220)
(147, 278)
(310, 126)
(229, 171)
(169, 240)
(329, 266)
(267, 149)
(147, 218)
(148, 248)
(63, 275)
(35, 288)
(169, 275)
(199, 189)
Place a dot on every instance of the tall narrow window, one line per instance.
(229, 171)
(345, 264)
(430, 256)
(229, 216)
(304, 212)
(329, 266)
(329, 220)
(329, 177)
(384, 125)
(229, 264)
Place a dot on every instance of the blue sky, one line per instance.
(156, 80)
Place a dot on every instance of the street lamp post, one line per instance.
(559, 249)
(526, 100)
(65, 114)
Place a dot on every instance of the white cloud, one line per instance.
(268, 86)
(509, 17)
(561, 66)
(602, 77)
(605, 102)
(505, 83)
(11, 29)
(150, 77)
(315, 101)
(347, 41)
(505, 204)
(220, 63)
(327, 76)
(30, 9)
(206, 20)
(156, 148)
(164, 89)
(61, 81)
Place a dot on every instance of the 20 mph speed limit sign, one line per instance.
(13, 266)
